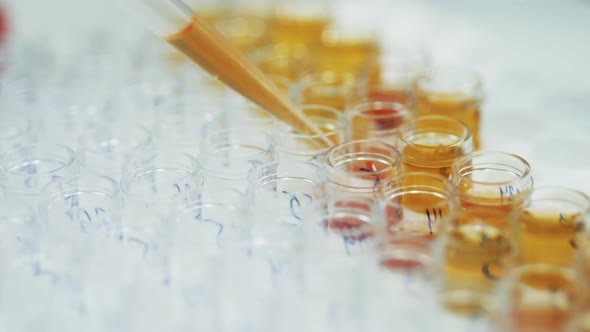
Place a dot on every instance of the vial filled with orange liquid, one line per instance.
(432, 143)
(452, 92)
(362, 167)
(537, 297)
(379, 120)
(420, 206)
(550, 223)
(492, 180)
(477, 249)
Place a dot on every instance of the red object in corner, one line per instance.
(3, 25)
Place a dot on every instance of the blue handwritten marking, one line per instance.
(275, 270)
(377, 179)
(348, 242)
(177, 187)
(82, 223)
(187, 187)
(29, 182)
(293, 200)
(141, 243)
(217, 238)
(508, 191)
(199, 213)
(38, 271)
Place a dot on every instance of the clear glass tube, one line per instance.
(86, 204)
(495, 180)
(376, 119)
(25, 171)
(552, 220)
(293, 145)
(211, 222)
(179, 124)
(420, 206)
(105, 150)
(432, 143)
(362, 167)
(454, 92)
(228, 155)
(279, 193)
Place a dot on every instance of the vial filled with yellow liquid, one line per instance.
(538, 297)
(432, 143)
(493, 181)
(550, 223)
(478, 248)
(452, 92)
(420, 205)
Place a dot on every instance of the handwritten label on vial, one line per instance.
(219, 231)
(433, 217)
(507, 192)
(377, 179)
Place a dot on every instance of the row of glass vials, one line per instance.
(139, 194)
(481, 242)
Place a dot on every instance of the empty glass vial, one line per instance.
(294, 145)
(279, 193)
(228, 155)
(26, 170)
(87, 204)
(105, 150)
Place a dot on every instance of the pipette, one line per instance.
(175, 21)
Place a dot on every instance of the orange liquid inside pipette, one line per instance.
(209, 49)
